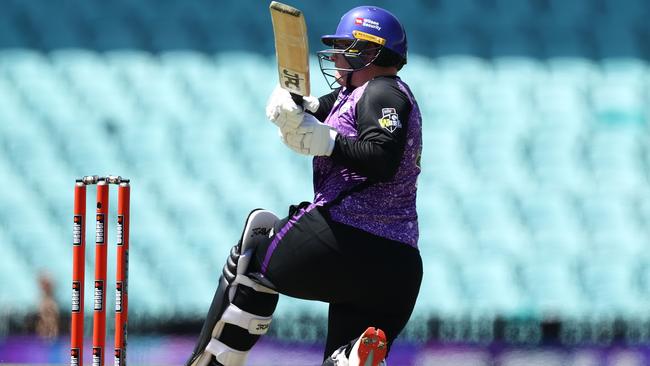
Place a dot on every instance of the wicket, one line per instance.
(78, 270)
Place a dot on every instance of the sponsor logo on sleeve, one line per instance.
(389, 120)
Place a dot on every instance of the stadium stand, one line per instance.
(533, 197)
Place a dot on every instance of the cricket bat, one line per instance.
(291, 49)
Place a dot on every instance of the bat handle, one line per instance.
(297, 99)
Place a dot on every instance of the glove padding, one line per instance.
(310, 138)
(282, 110)
(310, 103)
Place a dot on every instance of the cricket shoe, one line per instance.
(370, 349)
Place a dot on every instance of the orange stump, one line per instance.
(78, 272)
(99, 295)
(121, 276)
(100, 284)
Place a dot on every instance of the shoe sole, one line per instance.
(372, 347)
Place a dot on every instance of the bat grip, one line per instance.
(297, 99)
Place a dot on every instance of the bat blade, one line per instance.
(291, 48)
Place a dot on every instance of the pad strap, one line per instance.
(246, 281)
(226, 355)
(255, 324)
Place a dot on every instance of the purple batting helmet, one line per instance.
(374, 24)
(365, 35)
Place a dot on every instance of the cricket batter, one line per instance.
(356, 245)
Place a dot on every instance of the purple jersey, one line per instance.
(388, 208)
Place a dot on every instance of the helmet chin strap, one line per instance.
(348, 80)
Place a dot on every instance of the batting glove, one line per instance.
(282, 110)
(310, 138)
(310, 103)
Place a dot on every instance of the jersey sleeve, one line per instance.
(381, 114)
(325, 105)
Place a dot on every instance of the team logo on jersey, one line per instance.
(389, 119)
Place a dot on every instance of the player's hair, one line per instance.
(389, 58)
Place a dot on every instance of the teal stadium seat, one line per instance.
(10, 36)
(448, 104)
(58, 28)
(615, 159)
(95, 84)
(150, 145)
(486, 208)
(442, 230)
(83, 155)
(560, 103)
(28, 147)
(570, 12)
(559, 39)
(643, 273)
(12, 108)
(149, 293)
(459, 11)
(39, 84)
(552, 222)
(626, 70)
(641, 200)
(609, 286)
(514, 12)
(249, 80)
(421, 74)
(440, 293)
(214, 152)
(463, 69)
(517, 74)
(496, 157)
(448, 39)
(577, 71)
(617, 102)
(496, 230)
(154, 87)
(169, 31)
(40, 245)
(444, 157)
(504, 102)
(177, 272)
(490, 287)
(552, 288)
(610, 221)
(123, 34)
(554, 156)
(533, 193)
(618, 37)
(632, 11)
(509, 40)
(18, 285)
